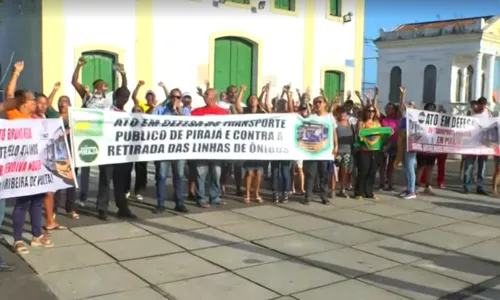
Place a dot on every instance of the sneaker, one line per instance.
(306, 201)
(6, 268)
(80, 203)
(181, 209)
(159, 210)
(139, 198)
(127, 195)
(325, 201)
(343, 194)
(429, 190)
(102, 215)
(409, 196)
(481, 192)
(403, 193)
(126, 214)
(285, 198)
(276, 198)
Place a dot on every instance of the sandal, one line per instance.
(57, 227)
(20, 248)
(246, 200)
(259, 200)
(203, 205)
(42, 241)
(75, 216)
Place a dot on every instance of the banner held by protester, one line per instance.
(114, 137)
(441, 133)
(34, 158)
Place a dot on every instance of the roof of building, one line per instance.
(439, 24)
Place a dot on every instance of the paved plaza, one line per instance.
(444, 246)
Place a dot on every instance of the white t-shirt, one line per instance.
(98, 101)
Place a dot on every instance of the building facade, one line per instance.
(445, 62)
(316, 44)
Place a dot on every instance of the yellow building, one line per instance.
(316, 44)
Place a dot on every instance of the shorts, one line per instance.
(426, 160)
(345, 161)
(254, 165)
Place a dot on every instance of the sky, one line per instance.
(387, 14)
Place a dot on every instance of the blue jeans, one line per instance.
(410, 162)
(84, 182)
(162, 170)
(469, 166)
(281, 168)
(203, 169)
(25, 204)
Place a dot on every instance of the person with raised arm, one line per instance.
(253, 168)
(25, 109)
(212, 167)
(319, 168)
(281, 169)
(149, 104)
(44, 110)
(115, 173)
(170, 107)
(95, 100)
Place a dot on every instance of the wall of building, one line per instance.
(183, 46)
(173, 41)
(20, 34)
(412, 60)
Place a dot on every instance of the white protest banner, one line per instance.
(34, 158)
(108, 137)
(440, 133)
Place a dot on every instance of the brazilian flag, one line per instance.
(373, 138)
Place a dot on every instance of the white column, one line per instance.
(463, 91)
(478, 71)
(490, 76)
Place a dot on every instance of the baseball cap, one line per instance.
(186, 94)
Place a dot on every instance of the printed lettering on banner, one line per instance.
(108, 137)
(34, 158)
(441, 133)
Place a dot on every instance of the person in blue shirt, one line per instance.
(170, 107)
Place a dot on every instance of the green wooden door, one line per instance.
(233, 65)
(333, 84)
(98, 66)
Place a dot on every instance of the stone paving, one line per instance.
(436, 247)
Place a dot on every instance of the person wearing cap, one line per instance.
(186, 101)
(149, 105)
(482, 114)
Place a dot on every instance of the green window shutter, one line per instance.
(89, 71)
(285, 4)
(335, 8)
(106, 71)
(222, 65)
(242, 71)
(333, 84)
(240, 1)
(98, 66)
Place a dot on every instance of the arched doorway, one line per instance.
(396, 81)
(234, 64)
(99, 66)
(430, 81)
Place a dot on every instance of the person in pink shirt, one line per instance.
(390, 119)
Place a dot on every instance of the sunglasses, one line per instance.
(176, 97)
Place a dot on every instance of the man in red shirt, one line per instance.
(211, 107)
(203, 168)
